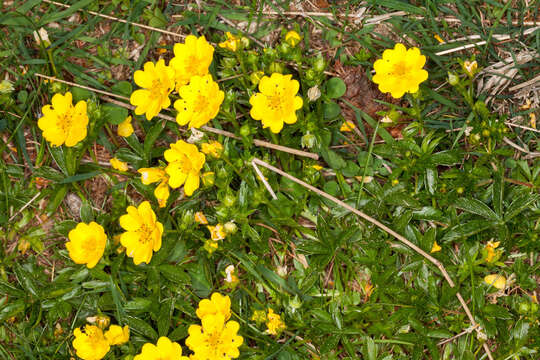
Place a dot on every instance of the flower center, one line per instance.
(275, 101)
(200, 104)
(145, 233)
(64, 121)
(400, 69)
(158, 90)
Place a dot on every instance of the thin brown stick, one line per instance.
(52, 78)
(469, 330)
(257, 142)
(121, 20)
(386, 229)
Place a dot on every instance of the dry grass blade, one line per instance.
(386, 229)
(122, 20)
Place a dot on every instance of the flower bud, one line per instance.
(308, 140)
(101, 321)
(245, 130)
(256, 77)
(292, 38)
(6, 87)
(319, 64)
(276, 67)
(208, 178)
(453, 79)
(230, 227)
(314, 93)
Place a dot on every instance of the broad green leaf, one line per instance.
(335, 88)
(476, 207)
(465, 230)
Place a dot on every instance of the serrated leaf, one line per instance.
(465, 230)
(476, 207)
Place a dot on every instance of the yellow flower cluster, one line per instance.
(216, 338)
(92, 344)
(187, 73)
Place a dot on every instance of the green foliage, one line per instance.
(344, 288)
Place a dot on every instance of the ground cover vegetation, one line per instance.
(215, 180)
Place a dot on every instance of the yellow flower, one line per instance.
(215, 339)
(62, 122)
(470, 67)
(185, 164)
(347, 126)
(490, 253)
(317, 167)
(157, 82)
(435, 248)
(143, 232)
(532, 117)
(232, 43)
(210, 246)
(217, 232)
(165, 349)
(292, 38)
(259, 316)
(276, 103)
(190, 59)
(200, 101)
(200, 218)
(152, 175)
(119, 165)
(218, 304)
(274, 323)
(213, 148)
(86, 244)
(439, 39)
(116, 335)
(400, 71)
(125, 129)
(162, 193)
(90, 344)
(497, 281)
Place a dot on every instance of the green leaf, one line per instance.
(331, 110)
(465, 230)
(335, 161)
(174, 274)
(497, 311)
(80, 94)
(476, 207)
(141, 327)
(86, 213)
(335, 88)
(151, 137)
(498, 193)
(122, 88)
(519, 204)
(114, 114)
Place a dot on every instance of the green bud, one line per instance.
(230, 227)
(319, 65)
(252, 58)
(308, 140)
(208, 178)
(245, 130)
(276, 67)
(453, 79)
(229, 200)
(228, 62)
(524, 308)
(256, 77)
